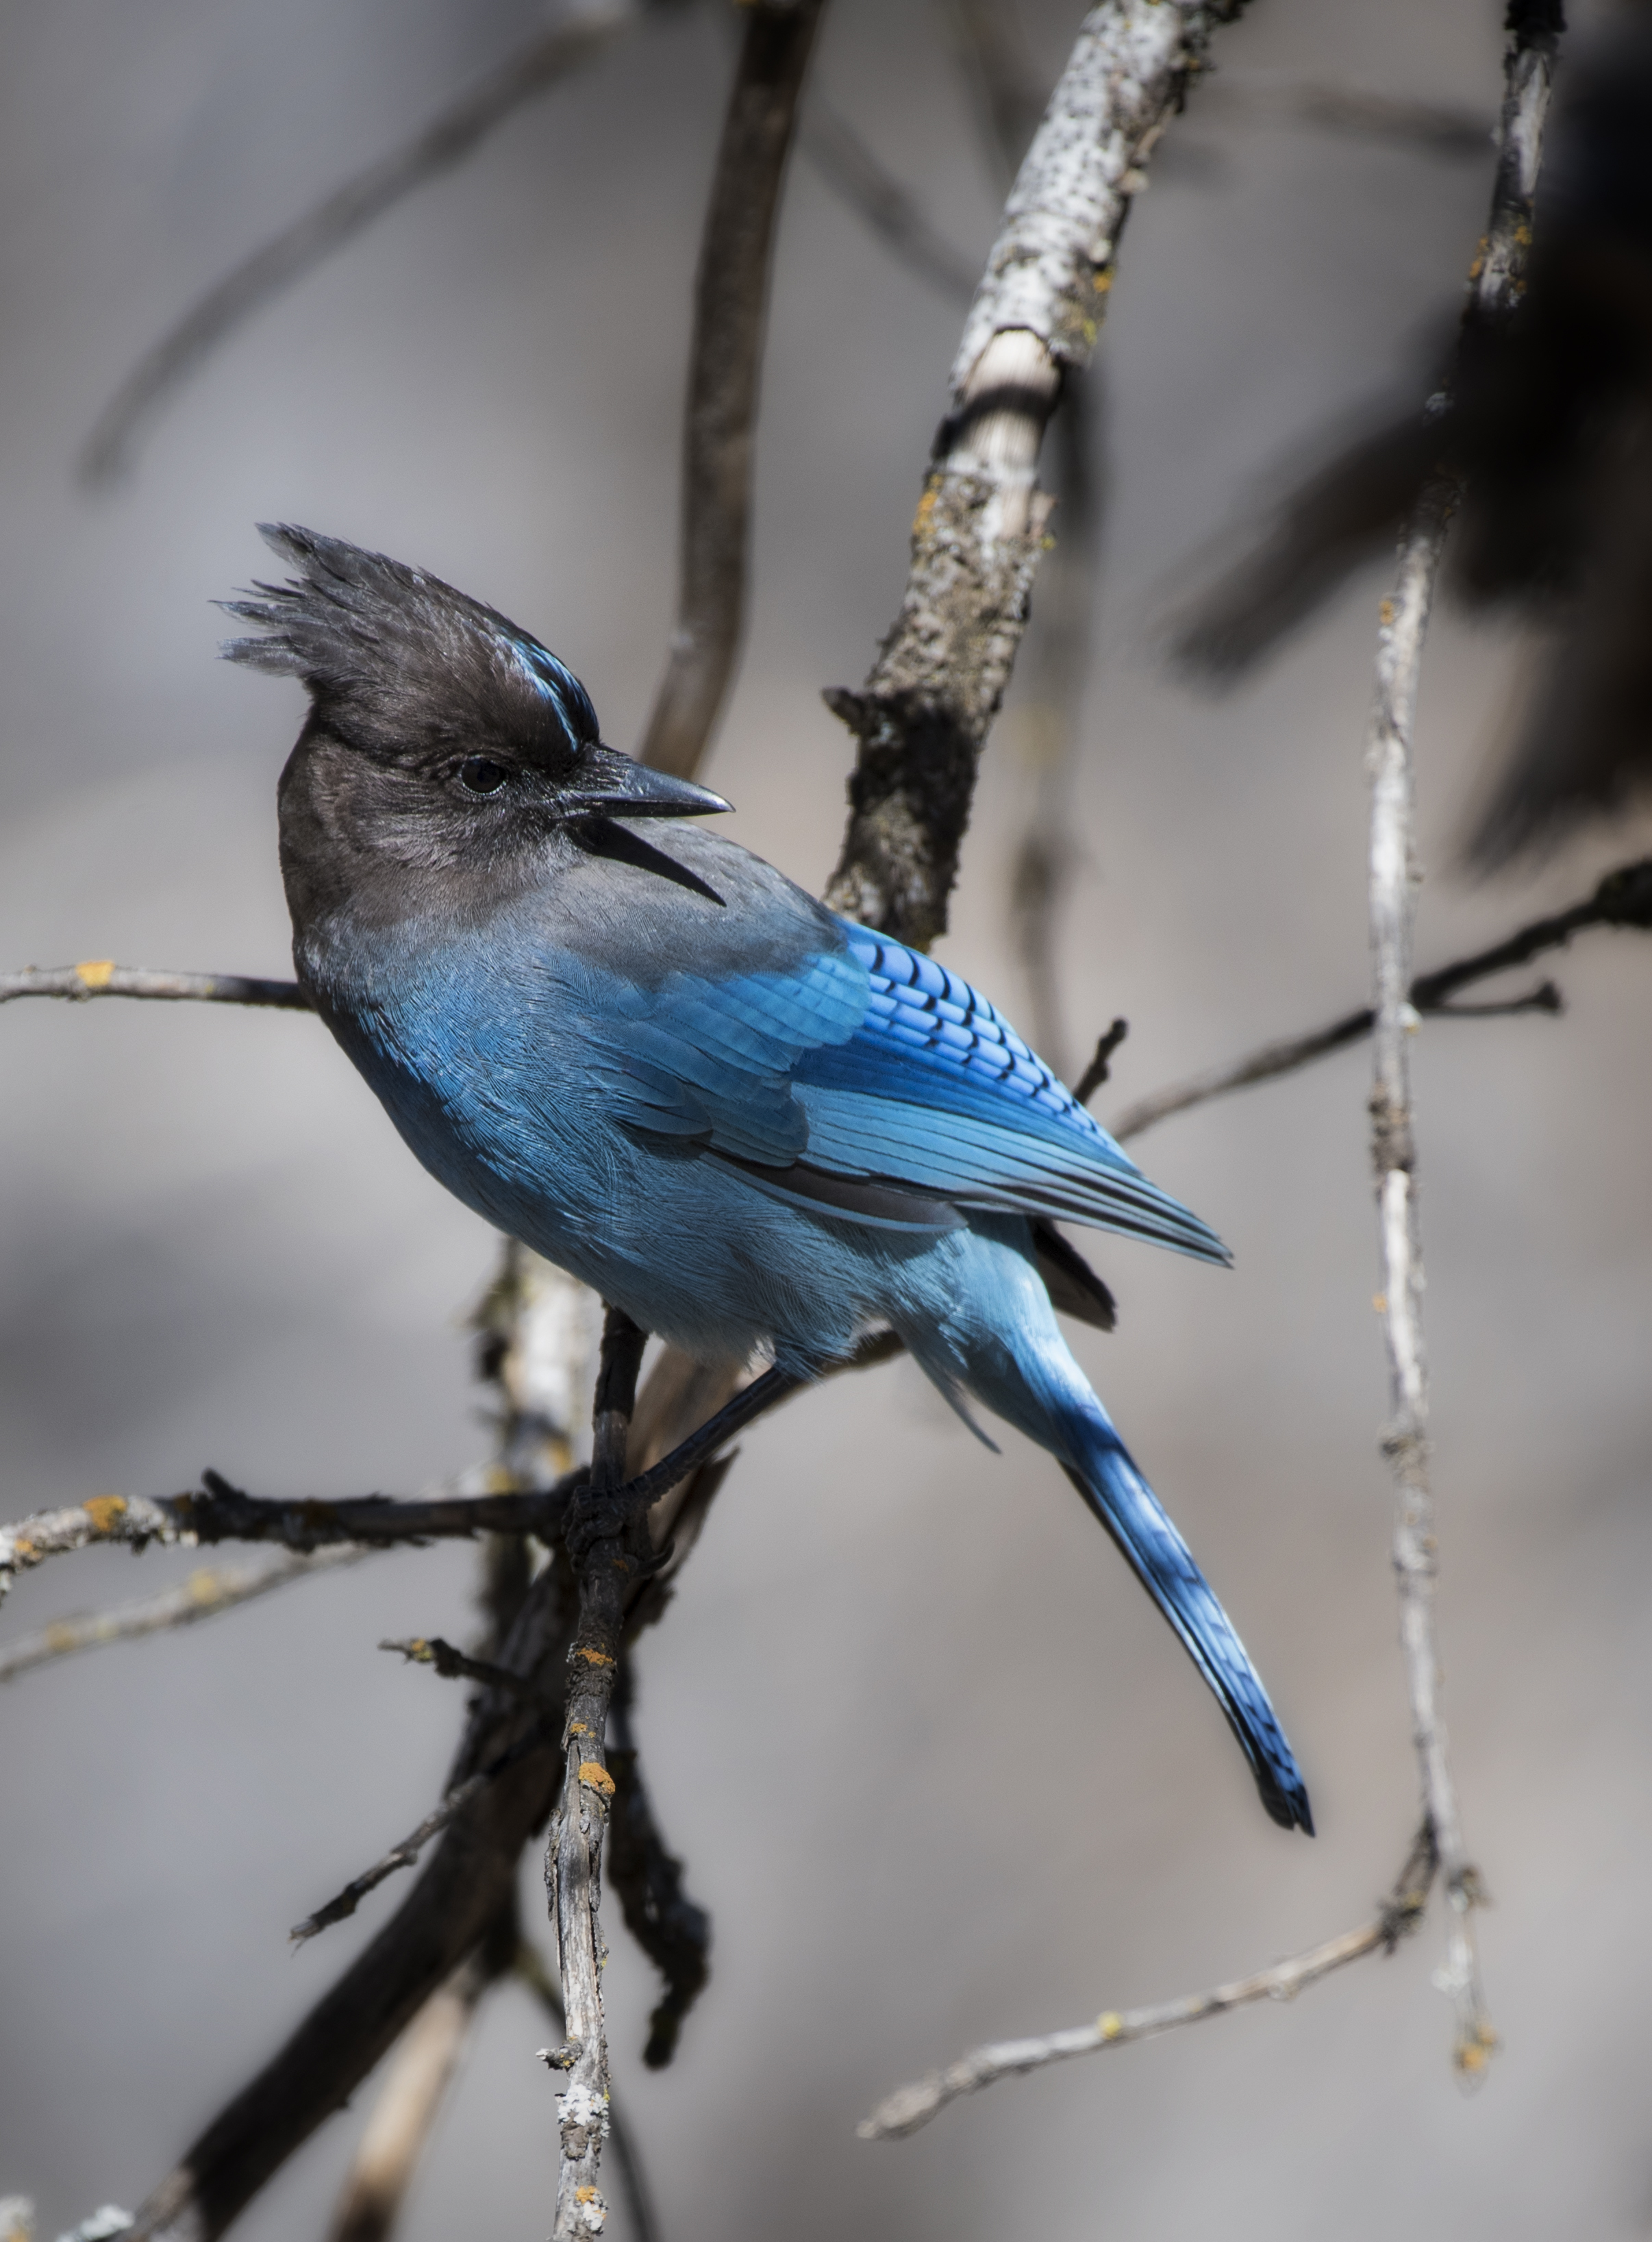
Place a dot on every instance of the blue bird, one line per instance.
(639, 1049)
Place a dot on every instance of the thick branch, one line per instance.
(574, 1856)
(731, 301)
(447, 139)
(1623, 898)
(923, 715)
(908, 2107)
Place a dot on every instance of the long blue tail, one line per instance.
(1127, 1506)
(999, 1339)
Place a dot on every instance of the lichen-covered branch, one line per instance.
(911, 2106)
(219, 1512)
(573, 1855)
(101, 977)
(731, 304)
(1623, 898)
(1495, 285)
(923, 715)
(208, 1591)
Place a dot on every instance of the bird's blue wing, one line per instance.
(936, 1087)
(877, 1082)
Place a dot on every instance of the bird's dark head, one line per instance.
(442, 741)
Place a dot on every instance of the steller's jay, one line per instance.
(641, 1051)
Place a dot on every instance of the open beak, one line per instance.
(611, 785)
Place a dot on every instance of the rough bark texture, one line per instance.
(923, 715)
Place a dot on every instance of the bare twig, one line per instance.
(1099, 1069)
(911, 2106)
(1623, 898)
(455, 1666)
(889, 210)
(101, 977)
(573, 1854)
(403, 1856)
(1495, 285)
(923, 715)
(209, 1590)
(531, 70)
(731, 302)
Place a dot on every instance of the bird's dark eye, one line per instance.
(478, 775)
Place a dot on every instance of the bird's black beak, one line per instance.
(608, 784)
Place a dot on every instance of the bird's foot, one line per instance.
(596, 1515)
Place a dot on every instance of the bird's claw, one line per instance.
(594, 1516)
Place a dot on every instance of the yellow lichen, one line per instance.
(95, 972)
(105, 1512)
(592, 1657)
(1385, 614)
(596, 1777)
(1110, 2024)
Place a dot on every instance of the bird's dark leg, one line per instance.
(596, 1515)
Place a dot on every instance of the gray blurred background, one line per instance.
(217, 1251)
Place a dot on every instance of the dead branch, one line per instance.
(731, 303)
(1494, 290)
(532, 1969)
(219, 1512)
(208, 1591)
(923, 715)
(889, 210)
(1623, 898)
(101, 977)
(455, 1666)
(573, 1854)
(910, 2107)
(445, 141)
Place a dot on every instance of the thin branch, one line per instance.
(1623, 898)
(1495, 288)
(532, 1969)
(101, 977)
(208, 1591)
(455, 1666)
(923, 715)
(573, 1853)
(888, 209)
(1099, 1069)
(731, 302)
(219, 1512)
(403, 1856)
(913, 2105)
(445, 141)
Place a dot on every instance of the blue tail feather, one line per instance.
(1001, 1344)
(1129, 1509)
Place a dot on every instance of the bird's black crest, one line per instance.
(398, 662)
